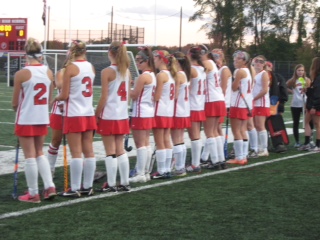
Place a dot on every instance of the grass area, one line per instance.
(274, 201)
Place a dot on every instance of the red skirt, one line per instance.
(56, 121)
(239, 113)
(31, 130)
(79, 124)
(197, 116)
(113, 127)
(215, 109)
(163, 122)
(181, 122)
(142, 123)
(261, 111)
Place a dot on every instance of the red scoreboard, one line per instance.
(13, 34)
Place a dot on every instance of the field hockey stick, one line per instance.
(245, 102)
(15, 175)
(65, 164)
(153, 159)
(226, 138)
(126, 143)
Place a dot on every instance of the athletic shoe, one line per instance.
(253, 154)
(138, 178)
(315, 149)
(123, 188)
(70, 193)
(231, 154)
(147, 175)
(49, 193)
(180, 173)
(107, 188)
(193, 169)
(157, 175)
(28, 198)
(263, 153)
(87, 191)
(305, 147)
(223, 165)
(239, 162)
(98, 176)
(312, 145)
(168, 174)
(297, 145)
(204, 163)
(132, 173)
(281, 148)
(214, 166)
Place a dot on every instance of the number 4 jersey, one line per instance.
(116, 107)
(34, 97)
(80, 99)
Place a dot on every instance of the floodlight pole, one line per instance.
(180, 29)
(155, 22)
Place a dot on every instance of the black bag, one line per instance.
(277, 130)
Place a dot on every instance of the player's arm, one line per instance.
(265, 86)
(19, 78)
(225, 75)
(71, 71)
(162, 78)
(240, 74)
(50, 76)
(142, 80)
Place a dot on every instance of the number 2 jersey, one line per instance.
(80, 101)
(116, 107)
(33, 106)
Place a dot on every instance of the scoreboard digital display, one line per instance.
(13, 34)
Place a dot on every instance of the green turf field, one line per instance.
(275, 197)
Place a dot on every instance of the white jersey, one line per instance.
(116, 107)
(143, 106)
(55, 107)
(298, 97)
(79, 103)
(182, 105)
(33, 108)
(265, 100)
(165, 105)
(198, 90)
(228, 89)
(214, 91)
(246, 90)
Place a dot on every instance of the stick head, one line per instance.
(128, 149)
(14, 196)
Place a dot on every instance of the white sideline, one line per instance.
(136, 189)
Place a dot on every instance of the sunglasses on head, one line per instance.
(239, 54)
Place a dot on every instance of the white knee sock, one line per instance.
(141, 160)
(184, 156)
(31, 172)
(245, 149)
(52, 156)
(212, 146)
(161, 156)
(112, 169)
(263, 137)
(168, 160)
(76, 168)
(178, 156)
(253, 139)
(238, 149)
(148, 161)
(220, 149)
(123, 164)
(45, 171)
(89, 168)
(205, 151)
(196, 146)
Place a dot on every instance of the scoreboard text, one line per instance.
(13, 34)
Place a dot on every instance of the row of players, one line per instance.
(174, 92)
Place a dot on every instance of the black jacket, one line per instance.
(313, 95)
(278, 87)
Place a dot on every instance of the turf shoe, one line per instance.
(253, 154)
(138, 179)
(87, 191)
(28, 198)
(148, 178)
(214, 166)
(263, 153)
(239, 162)
(157, 175)
(123, 188)
(70, 193)
(193, 169)
(107, 188)
(204, 163)
(98, 176)
(223, 165)
(49, 193)
(132, 172)
(180, 173)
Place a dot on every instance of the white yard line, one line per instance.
(137, 189)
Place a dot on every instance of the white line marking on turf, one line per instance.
(136, 189)
(7, 122)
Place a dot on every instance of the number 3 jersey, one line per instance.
(116, 107)
(79, 103)
(34, 98)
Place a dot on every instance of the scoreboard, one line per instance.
(13, 34)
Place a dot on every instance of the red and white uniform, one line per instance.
(197, 95)
(265, 100)
(33, 103)
(182, 106)
(165, 106)
(228, 89)
(143, 108)
(78, 108)
(214, 105)
(238, 107)
(56, 115)
(114, 116)
(34, 98)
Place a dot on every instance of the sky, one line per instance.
(161, 23)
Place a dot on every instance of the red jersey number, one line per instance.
(122, 91)
(171, 91)
(38, 98)
(186, 93)
(199, 87)
(88, 83)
